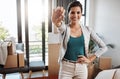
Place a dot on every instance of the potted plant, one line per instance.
(3, 33)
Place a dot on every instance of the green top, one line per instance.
(75, 47)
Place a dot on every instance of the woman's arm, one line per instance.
(102, 46)
(86, 60)
(57, 18)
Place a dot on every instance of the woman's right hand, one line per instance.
(58, 16)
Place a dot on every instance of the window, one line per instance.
(35, 24)
(27, 22)
(8, 17)
(83, 19)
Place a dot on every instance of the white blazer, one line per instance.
(88, 33)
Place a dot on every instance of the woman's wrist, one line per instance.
(58, 24)
(92, 58)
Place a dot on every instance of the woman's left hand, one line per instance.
(83, 59)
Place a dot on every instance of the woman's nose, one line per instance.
(75, 15)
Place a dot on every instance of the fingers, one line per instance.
(83, 60)
(58, 15)
(80, 60)
(59, 12)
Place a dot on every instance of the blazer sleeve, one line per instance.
(102, 46)
(62, 28)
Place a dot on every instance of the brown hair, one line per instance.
(74, 4)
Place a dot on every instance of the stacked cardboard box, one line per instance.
(103, 64)
(11, 61)
(21, 62)
(14, 59)
(10, 49)
(91, 71)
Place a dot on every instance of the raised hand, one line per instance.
(58, 16)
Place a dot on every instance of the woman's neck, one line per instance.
(75, 25)
(75, 30)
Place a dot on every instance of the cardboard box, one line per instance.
(91, 69)
(21, 61)
(10, 49)
(105, 63)
(11, 61)
(53, 68)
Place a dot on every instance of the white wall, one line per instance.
(105, 16)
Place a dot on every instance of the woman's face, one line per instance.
(75, 14)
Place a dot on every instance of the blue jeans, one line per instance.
(70, 70)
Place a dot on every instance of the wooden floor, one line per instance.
(35, 75)
(47, 77)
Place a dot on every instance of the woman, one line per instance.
(75, 39)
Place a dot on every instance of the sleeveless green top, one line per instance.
(75, 47)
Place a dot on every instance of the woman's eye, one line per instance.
(72, 12)
(78, 12)
(75, 12)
